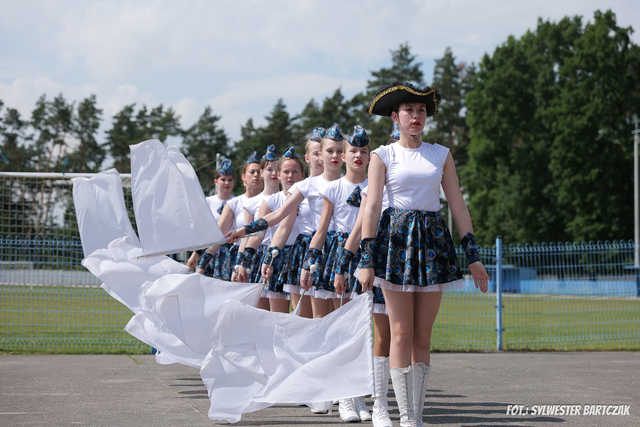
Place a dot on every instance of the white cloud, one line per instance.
(239, 57)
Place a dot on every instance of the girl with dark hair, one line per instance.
(408, 251)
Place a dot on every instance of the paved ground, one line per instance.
(465, 389)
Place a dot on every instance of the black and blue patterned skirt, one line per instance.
(289, 276)
(415, 252)
(275, 287)
(224, 261)
(325, 273)
(255, 270)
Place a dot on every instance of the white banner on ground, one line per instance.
(260, 358)
(171, 212)
(100, 210)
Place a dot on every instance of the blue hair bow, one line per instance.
(253, 158)
(270, 155)
(290, 153)
(334, 133)
(317, 134)
(225, 167)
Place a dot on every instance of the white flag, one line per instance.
(124, 271)
(260, 358)
(100, 210)
(171, 212)
(186, 307)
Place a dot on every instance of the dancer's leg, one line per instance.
(305, 307)
(279, 305)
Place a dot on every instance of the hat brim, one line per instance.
(386, 100)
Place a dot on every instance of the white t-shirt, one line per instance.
(413, 175)
(275, 201)
(337, 192)
(252, 204)
(237, 206)
(311, 189)
(214, 203)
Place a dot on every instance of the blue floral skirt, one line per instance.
(224, 262)
(415, 252)
(289, 276)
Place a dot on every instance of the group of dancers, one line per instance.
(314, 241)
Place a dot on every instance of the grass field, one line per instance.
(86, 320)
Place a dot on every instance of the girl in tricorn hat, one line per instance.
(407, 250)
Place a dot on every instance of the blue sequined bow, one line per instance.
(253, 158)
(270, 155)
(225, 167)
(290, 153)
(334, 133)
(317, 134)
(359, 137)
(355, 198)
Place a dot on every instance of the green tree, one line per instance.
(88, 155)
(52, 127)
(592, 152)
(278, 130)
(130, 127)
(201, 143)
(14, 137)
(403, 68)
(538, 108)
(450, 128)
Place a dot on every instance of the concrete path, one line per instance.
(465, 389)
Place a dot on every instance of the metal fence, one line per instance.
(552, 296)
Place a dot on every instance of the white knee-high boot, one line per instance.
(403, 387)
(380, 414)
(420, 374)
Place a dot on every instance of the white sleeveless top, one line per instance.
(337, 192)
(237, 206)
(311, 189)
(275, 201)
(214, 203)
(413, 175)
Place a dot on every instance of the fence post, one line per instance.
(499, 293)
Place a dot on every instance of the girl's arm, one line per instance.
(249, 246)
(350, 248)
(377, 176)
(279, 240)
(271, 219)
(461, 215)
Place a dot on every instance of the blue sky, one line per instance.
(240, 57)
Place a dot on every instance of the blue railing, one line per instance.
(550, 296)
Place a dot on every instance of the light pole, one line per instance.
(636, 205)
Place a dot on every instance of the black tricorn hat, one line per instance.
(391, 96)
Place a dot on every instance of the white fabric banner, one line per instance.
(171, 212)
(186, 307)
(100, 210)
(260, 358)
(124, 272)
